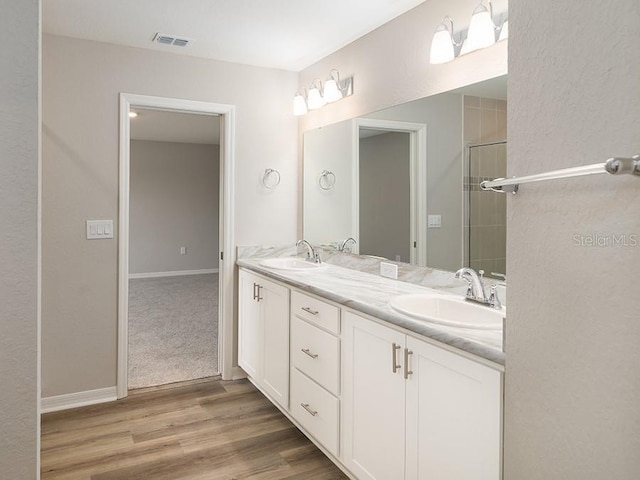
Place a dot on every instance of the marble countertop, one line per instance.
(370, 294)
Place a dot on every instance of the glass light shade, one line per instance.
(331, 90)
(504, 33)
(314, 99)
(441, 46)
(132, 114)
(481, 30)
(299, 105)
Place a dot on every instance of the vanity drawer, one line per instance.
(316, 311)
(316, 353)
(316, 410)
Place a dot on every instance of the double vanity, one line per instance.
(392, 380)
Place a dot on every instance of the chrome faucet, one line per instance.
(475, 288)
(312, 255)
(346, 242)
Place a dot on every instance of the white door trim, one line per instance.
(225, 308)
(418, 174)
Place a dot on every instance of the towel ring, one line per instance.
(268, 174)
(327, 180)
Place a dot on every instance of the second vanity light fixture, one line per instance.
(317, 96)
(481, 34)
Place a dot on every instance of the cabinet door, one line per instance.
(274, 309)
(249, 325)
(373, 403)
(453, 416)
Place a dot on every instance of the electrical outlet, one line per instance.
(389, 270)
(183, 250)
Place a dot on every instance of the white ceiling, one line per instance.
(285, 34)
(166, 126)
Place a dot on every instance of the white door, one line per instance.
(453, 416)
(274, 310)
(249, 325)
(373, 400)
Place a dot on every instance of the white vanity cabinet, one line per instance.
(382, 403)
(263, 334)
(413, 410)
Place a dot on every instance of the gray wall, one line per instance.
(19, 158)
(573, 326)
(80, 182)
(173, 202)
(385, 221)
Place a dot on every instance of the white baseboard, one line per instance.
(78, 399)
(178, 273)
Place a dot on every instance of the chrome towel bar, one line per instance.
(613, 166)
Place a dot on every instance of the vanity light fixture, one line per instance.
(314, 98)
(299, 104)
(332, 90)
(482, 30)
(481, 34)
(442, 46)
(318, 96)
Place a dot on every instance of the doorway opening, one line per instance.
(390, 164)
(154, 247)
(174, 251)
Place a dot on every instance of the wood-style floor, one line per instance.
(210, 429)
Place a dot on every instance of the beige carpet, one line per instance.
(173, 329)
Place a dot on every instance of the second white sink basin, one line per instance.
(449, 311)
(291, 263)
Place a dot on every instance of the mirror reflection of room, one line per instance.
(420, 203)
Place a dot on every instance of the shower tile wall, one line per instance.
(485, 120)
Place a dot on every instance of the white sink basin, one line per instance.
(291, 263)
(449, 311)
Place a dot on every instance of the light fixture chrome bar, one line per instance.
(613, 166)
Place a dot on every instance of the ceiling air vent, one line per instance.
(171, 40)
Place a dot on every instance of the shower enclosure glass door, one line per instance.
(485, 228)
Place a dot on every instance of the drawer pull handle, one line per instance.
(308, 310)
(313, 413)
(308, 352)
(407, 372)
(394, 348)
(256, 292)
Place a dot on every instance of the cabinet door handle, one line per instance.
(255, 289)
(259, 297)
(407, 372)
(308, 352)
(308, 310)
(313, 413)
(394, 348)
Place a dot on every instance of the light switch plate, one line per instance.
(99, 229)
(389, 270)
(434, 221)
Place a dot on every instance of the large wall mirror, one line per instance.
(404, 182)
